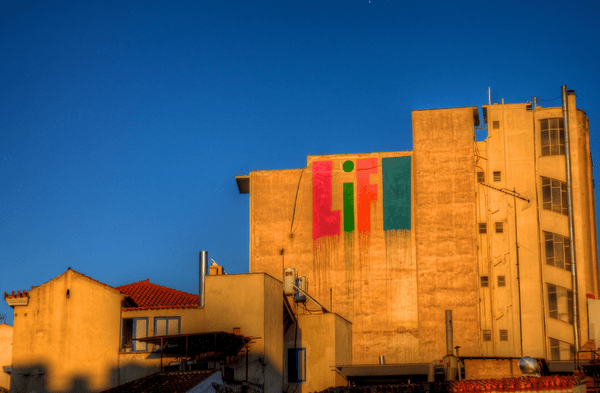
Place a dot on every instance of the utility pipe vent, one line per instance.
(203, 267)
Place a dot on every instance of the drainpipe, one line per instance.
(570, 211)
(203, 265)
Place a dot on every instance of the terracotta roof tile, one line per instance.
(172, 382)
(151, 296)
(13, 295)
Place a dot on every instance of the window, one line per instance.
(558, 250)
(296, 364)
(484, 281)
(501, 281)
(503, 335)
(499, 227)
(560, 350)
(482, 227)
(134, 328)
(496, 124)
(560, 303)
(166, 326)
(554, 194)
(487, 335)
(497, 176)
(552, 137)
(480, 177)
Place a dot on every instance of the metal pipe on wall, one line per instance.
(203, 266)
(570, 212)
(449, 334)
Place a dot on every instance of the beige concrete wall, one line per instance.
(510, 150)
(445, 229)
(514, 149)
(6, 346)
(327, 339)
(254, 303)
(368, 278)
(72, 341)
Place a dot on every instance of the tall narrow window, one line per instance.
(552, 134)
(132, 329)
(554, 195)
(558, 250)
(501, 281)
(482, 227)
(480, 177)
(497, 176)
(503, 335)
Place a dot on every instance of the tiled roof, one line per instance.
(171, 381)
(149, 296)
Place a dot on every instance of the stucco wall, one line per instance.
(253, 303)
(6, 345)
(327, 339)
(71, 341)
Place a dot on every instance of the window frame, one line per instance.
(554, 195)
(167, 319)
(499, 227)
(555, 296)
(552, 245)
(501, 280)
(136, 346)
(552, 137)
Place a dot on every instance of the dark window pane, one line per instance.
(553, 123)
(544, 124)
(545, 138)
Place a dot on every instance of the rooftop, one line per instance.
(148, 296)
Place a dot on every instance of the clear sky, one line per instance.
(124, 123)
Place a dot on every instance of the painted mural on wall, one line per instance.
(396, 182)
(363, 263)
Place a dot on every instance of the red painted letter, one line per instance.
(325, 221)
(367, 192)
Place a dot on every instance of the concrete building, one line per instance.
(74, 333)
(6, 341)
(389, 241)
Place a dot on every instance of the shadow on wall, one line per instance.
(28, 379)
(34, 378)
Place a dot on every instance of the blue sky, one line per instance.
(124, 123)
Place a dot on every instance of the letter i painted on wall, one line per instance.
(367, 192)
(348, 200)
(325, 221)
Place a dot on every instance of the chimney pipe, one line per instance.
(203, 267)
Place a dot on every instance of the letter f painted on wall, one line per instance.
(325, 221)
